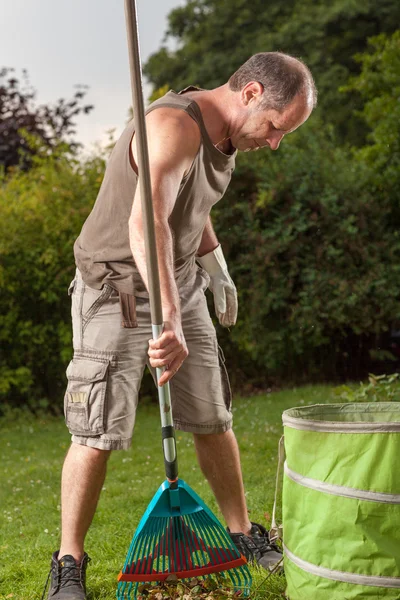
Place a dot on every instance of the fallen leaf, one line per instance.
(196, 589)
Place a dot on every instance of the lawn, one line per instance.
(32, 451)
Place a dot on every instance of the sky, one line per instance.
(67, 42)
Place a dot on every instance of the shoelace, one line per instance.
(65, 571)
(46, 584)
(262, 542)
(69, 576)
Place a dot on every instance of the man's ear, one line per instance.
(251, 91)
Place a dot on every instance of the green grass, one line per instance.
(31, 454)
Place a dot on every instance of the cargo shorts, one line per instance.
(110, 339)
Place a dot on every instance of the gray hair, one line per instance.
(281, 75)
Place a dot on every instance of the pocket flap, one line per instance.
(85, 369)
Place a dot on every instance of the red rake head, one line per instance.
(179, 537)
(181, 551)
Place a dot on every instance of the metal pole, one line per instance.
(143, 162)
(164, 395)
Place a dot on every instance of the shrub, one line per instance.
(380, 388)
(41, 213)
(315, 257)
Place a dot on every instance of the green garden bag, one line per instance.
(341, 501)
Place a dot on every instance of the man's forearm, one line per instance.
(169, 291)
(209, 241)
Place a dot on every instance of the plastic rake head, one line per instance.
(179, 536)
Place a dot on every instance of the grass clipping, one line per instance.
(212, 588)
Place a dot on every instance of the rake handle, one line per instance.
(164, 396)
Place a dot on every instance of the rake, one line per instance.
(178, 537)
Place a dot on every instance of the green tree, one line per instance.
(214, 37)
(19, 115)
(379, 86)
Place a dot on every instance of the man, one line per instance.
(193, 137)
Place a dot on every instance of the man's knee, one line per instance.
(213, 438)
(90, 454)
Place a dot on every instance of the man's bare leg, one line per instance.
(83, 476)
(224, 476)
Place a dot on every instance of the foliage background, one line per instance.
(311, 233)
(40, 212)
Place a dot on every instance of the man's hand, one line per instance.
(221, 285)
(168, 351)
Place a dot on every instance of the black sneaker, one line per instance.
(258, 548)
(68, 579)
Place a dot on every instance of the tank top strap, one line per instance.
(173, 99)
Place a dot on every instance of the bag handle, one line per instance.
(276, 531)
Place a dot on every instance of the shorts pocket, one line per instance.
(226, 386)
(92, 301)
(84, 402)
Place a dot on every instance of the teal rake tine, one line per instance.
(138, 545)
(189, 536)
(206, 535)
(157, 558)
(185, 537)
(182, 559)
(215, 550)
(164, 546)
(191, 542)
(144, 562)
(150, 559)
(123, 588)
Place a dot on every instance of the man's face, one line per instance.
(266, 127)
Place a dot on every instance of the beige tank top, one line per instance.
(102, 250)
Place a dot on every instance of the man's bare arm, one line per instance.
(173, 141)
